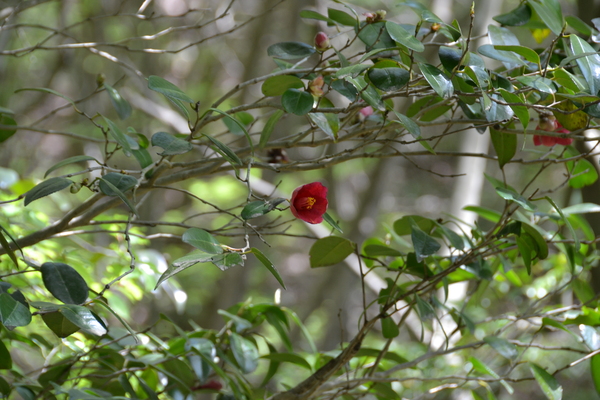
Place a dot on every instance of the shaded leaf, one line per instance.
(388, 79)
(327, 218)
(64, 282)
(511, 195)
(502, 346)
(341, 17)
(259, 208)
(111, 188)
(119, 103)
(123, 140)
(46, 188)
(168, 89)
(193, 258)
(404, 37)
(290, 50)
(200, 346)
(120, 181)
(83, 318)
(438, 80)
(589, 65)
(70, 160)
(268, 128)
(516, 17)
(6, 120)
(202, 240)
(297, 102)
(367, 92)
(244, 352)
(277, 85)
(5, 358)
(227, 260)
(12, 312)
(288, 357)
(547, 382)
(389, 328)
(527, 53)
(59, 324)
(330, 251)
(268, 264)
(423, 244)
(549, 11)
(505, 145)
(520, 111)
(171, 144)
(320, 119)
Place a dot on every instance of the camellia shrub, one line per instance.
(124, 182)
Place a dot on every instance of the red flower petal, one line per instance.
(309, 202)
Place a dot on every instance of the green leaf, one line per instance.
(57, 375)
(502, 346)
(121, 138)
(226, 152)
(351, 70)
(516, 17)
(171, 144)
(5, 358)
(4, 387)
(330, 251)
(423, 244)
(438, 80)
(527, 53)
(12, 312)
(200, 346)
(104, 304)
(341, 17)
(327, 218)
(268, 128)
(547, 382)
(520, 111)
(542, 84)
(550, 12)
(59, 324)
(83, 318)
(377, 250)
(541, 247)
(566, 221)
(404, 37)
(389, 328)
(122, 182)
(595, 371)
(46, 188)
(589, 65)
(505, 145)
(367, 92)
(193, 258)
(297, 102)
(375, 36)
(54, 92)
(6, 120)
(484, 369)
(511, 195)
(290, 50)
(403, 226)
(580, 26)
(268, 264)
(64, 282)
(119, 103)
(144, 159)
(277, 85)
(227, 260)
(109, 187)
(320, 119)
(288, 357)
(6, 246)
(236, 125)
(309, 14)
(525, 250)
(509, 59)
(244, 352)
(70, 160)
(388, 79)
(259, 208)
(202, 240)
(168, 89)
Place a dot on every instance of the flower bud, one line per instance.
(322, 42)
(548, 123)
(370, 17)
(435, 27)
(365, 112)
(380, 14)
(315, 87)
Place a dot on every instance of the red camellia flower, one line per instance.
(550, 124)
(309, 202)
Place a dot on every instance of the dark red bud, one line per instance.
(322, 42)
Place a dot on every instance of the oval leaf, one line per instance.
(46, 188)
(388, 79)
(330, 251)
(171, 144)
(13, 313)
(276, 85)
(202, 240)
(59, 324)
(168, 89)
(70, 160)
(83, 318)
(119, 103)
(502, 346)
(404, 37)
(64, 282)
(438, 80)
(121, 181)
(258, 208)
(244, 352)
(297, 102)
(290, 50)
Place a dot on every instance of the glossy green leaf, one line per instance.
(377, 250)
(549, 385)
(288, 357)
(367, 92)
(201, 368)
(516, 17)
(505, 145)
(297, 102)
(121, 181)
(511, 195)
(227, 260)
(168, 89)
(170, 144)
(259, 208)
(109, 187)
(403, 226)
(269, 127)
(549, 11)
(520, 111)
(121, 138)
(244, 352)
(404, 37)
(59, 324)
(64, 282)
(541, 247)
(330, 251)
(576, 23)
(46, 188)
(423, 244)
(542, 84)
(589, 65)
(584, 173)
(119, 103)
(375, 36)
(202, 240)
(389, 328)
(507, 58)
(502, 346)
(341, 17)
(310, 14)
(6, 120)
(351, 70)
(5, 358)
(388, 79)
(277, 85)
(327, 218)
(12, 312)
(450, 57)
(144, 159)
(193, 258)
(83, 318)
(268, 264)
(70, 160)
(290, 50)
(439, 82)
(226, 152)
(320, 119)
(525, 52)
(484, 369)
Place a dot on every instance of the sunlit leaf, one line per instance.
(404, 37)
(549, 385)
(202, 240)
(46, 188)
(439, 82)
(330, 251)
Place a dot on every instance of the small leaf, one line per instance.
(119, 103)
(193, 258)
(438, 80)
(505, 145)
(327, 218)
(54, 92)
(288, 357)
(121, 181)
(404, 37)
(7, 121)
(259, 208)
(268, 128)
(244, 352)
(70, 160)
(55, 375)
(227, 260)
(121, 138)
(389, 328)
(6, 245)
(595, 371)
(542, 84)
(367, 92)
(520, 111)
(84, 318)
(64, 282)
(226, 152)
(502, 346)
(46, 188)
(423, 244)
(330, 251)
(310, 14)
(351, 70)
(341, 17)
(171, 144)
(322, 122)
(59, 324)
(290, 50)
(277, 85)
(12, 312)
(200, 346)
(5, 358)
(202, 240)
(517, 17)
(168, 89)
(547, 382)
(268, 264)
(297, 102)
(109, 187)
(511, 195)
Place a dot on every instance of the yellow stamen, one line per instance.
(308, 203)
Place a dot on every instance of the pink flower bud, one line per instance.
(365, 112)
(322, 42)
(315, 87)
